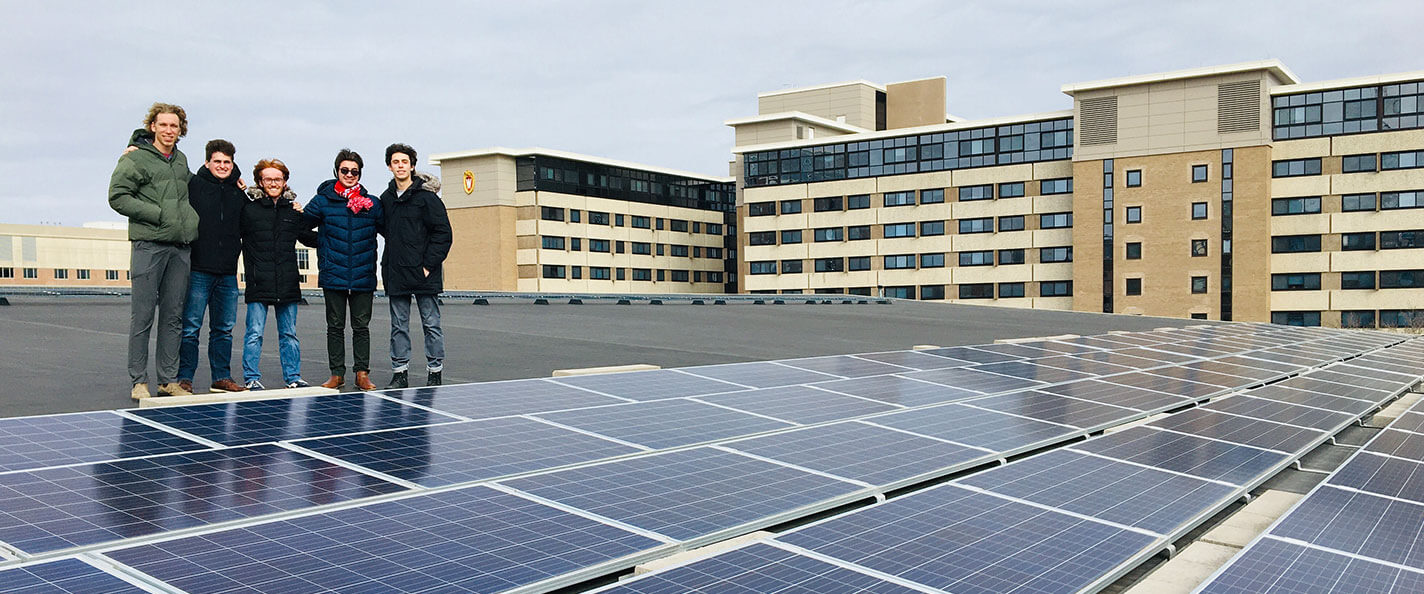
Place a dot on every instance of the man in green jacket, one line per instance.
(150, 187)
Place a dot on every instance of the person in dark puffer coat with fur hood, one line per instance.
(271, 229)
(347, 219)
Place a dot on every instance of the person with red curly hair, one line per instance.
(271, 228)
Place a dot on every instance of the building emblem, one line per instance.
(469, 182)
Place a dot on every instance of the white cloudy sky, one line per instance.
(649, 82)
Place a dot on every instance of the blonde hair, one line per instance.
(160, 108)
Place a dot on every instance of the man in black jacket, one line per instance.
(271, 227)
(418, 237)
(216, 194)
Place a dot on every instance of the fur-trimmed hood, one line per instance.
(255, 194)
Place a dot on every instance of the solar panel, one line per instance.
(760, 374)
(71, 576)
(1309, 383)
(1202, 377)
(1108, 489)
(1386, 363)
(844, 366)
(800, 404)
(499, 399)
(1280, 412)
(1391, 477)
(257, 421)
(1352, 379)
(1236, 369)
(972, 355)
(962, 541)
(1062, 346)
(867, 453)
(971, 379)
(1102, 341)
(1100, 366)
(1186, 454)
(1271, 566)
(1166, 385)
(914, 360)
(1192, 350)
(687, 494)
(976, 427)
(1410, 421)
(1243, 430)
(1398, 443)
(665, 423)
(454, 453)
(1117, 395)
(1313, 399)
(759, 568)
(1055, 409)
(1033, 371)
(649, 385)
(1018, 350)
(476, 539)
(1282, 355)
(1394, 378)
(36, 442)
(1358, 523)
(899, 391)
(57, 508)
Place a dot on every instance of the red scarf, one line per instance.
(354, 200)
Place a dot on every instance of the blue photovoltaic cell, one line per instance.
(36, 442)
(1193, 349)
(1398, 443)
(967, 542)
(70, 576)
(1310, 384)
(853, 450)
(914, 360)
(1410, 421)
(666, 423)
(468, 540)
(685, 494)
(758, 569)
(1117, 395)
(972, 355)
(899, 391)
(1095, 363)
(1107, 489)
(1055, 409)
(1062, 346)
(57, 508)
(1166, 385)
(971, 379)
(1395, 376)
(1352, 379)
(1286, 356)
(976, 427)
(1102, 341)
(1387, 363)
(1034, 371)
(1184, 453)
(257, 421)
(1160, 357)
(453, 453)
(800, 404)
(1243, 430)
(1135, 338)
(1202, 377)
(649, 385)
(1020, 350)
(1234, 369)
(1313, 399)
(1259, 364)
(1280, 412)
(1360, 523)
(760, 374)
(1391, 477)
(500, 399)
(844, 366)
(1271, 566)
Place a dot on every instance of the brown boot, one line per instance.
(186, 384)
(363, 381)
(335, 382)
(227, 385)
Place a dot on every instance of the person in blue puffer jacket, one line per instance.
(347, 219)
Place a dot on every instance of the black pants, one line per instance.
(337, 302)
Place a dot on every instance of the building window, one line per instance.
(1014, 256)
(597, 218)
(697, 225)
(982, 225)
(830, 234)
(677, 251)
(1013, 223)
(1357, 319)
(1357, 163)
(1011, 290)
(1290, 244)
(1198, 211)
(303, 259)
(931, 292)
(1199, 284)
(858, 232)
(790, 266)
(790, 236)
(1057, 220)
(658, 223)
(575, 215)
(1198, 173)
(1350, 242)
(858, 263)
(1134, 286)
(575, 272)
(31, 272)
(575, 244)
(9, 272)
(1396, 200)
(598, 245)
(81, 274)
(977, 258)
(642, 274)
(1134, 214)
(790, 206)
(1397, 240)
(553, 271)
(112, 275)
(1401, 318)
(1011, 190)
(1134, 251)
(935, 196)
(935, 260)
(61, 274)
(661, 248)
(678, 225)
(1401, 279)
(976, 291)
(1134, 178)
(661, 275)
(1199, 248)
(552, 243)
(643, 248)
(856, 202)
(1055, 289)
(716, 253)
(898, 292)
(931, 228)
(1302, 281)
(550, 213)
(899, 230)
(1055, 254)
(826, 204)
(972, 193)
(762, 267)
(758, 238)
(599, 273)
(714, 228)
(1295, 206)
(761, 209)
(1353, 280)
(641, 222)
(1296, 318)
(1295, 167)
(1056, 186)
(899, 199)
(900, 262)
(830, 264)
(1402, 160)
(1357, 202)
(618, 222)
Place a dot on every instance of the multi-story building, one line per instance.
(1233, 192)
(550, 221)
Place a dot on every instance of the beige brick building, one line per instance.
(1231, 192)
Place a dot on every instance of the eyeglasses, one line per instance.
(273, 180)
(349, 171)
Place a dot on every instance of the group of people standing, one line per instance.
(187, 230)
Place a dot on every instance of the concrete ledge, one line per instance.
(609, 369)
(219, 397)
(1035, 339)
(1389, 413)
(712, 549)
(924, 347)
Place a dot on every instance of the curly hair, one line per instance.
(161, 108)
(272, 163)
(218, 145)
(400, 148)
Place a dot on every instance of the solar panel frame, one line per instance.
(1247, 405)
(1187, 454)
(1250, 431)
(71, 575)
(1382, 475)
(758, 567)
(1376, 527)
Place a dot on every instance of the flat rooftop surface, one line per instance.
(67, 354)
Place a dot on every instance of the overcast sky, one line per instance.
(649, 82)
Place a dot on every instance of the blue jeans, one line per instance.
(215, 294)
(288, 346)
(429, 322)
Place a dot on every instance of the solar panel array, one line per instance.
(536, 484)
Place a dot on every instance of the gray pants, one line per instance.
(158, 273)
(429, 322)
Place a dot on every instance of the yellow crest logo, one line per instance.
(469, 181)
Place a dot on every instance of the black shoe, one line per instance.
(399, 379)
(432, 378)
